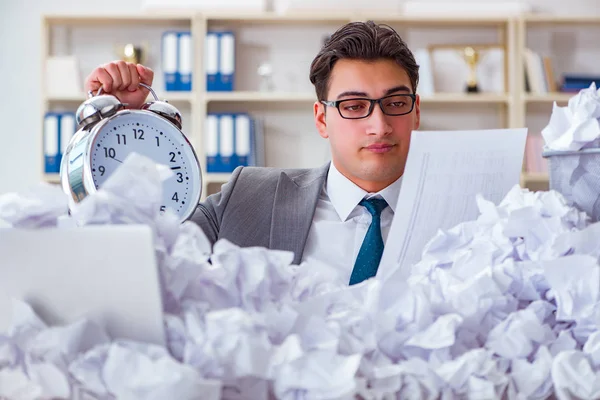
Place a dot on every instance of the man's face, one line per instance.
(372, 151)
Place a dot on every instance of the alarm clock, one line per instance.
(107, 133)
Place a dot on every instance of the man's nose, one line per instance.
(378, 122)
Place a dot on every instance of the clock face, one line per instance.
(148, 134)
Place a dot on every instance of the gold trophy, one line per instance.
(132, 53)
(471, 56)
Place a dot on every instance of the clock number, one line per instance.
(102, 170)
(157, 141)
(119, 137)
(172, 156)
(175, 197)
(138, 134)
(162, 208)
(110, 152)
(179, 177)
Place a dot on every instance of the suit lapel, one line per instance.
(293, 210)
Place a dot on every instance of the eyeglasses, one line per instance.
(393, 105)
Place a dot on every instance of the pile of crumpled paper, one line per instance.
(572, 145)
(505, 306)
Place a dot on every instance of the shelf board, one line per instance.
(158, 17)
(439, 19)
(465, 98)
(217, 177)
(561, 19)
(52, 178)
(343, 17)
(169, 96)
(548, 97)
(534, 177)
(248, 96)
(277, 18)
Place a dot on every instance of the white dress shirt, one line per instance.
(340, 224)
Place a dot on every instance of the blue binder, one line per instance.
(211, 142)
(184, 61)
(226, 73)
(229, 141)
(243, 139)
(51, 143)
(169, 46)
(211, 57)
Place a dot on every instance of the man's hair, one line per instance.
(365, 41)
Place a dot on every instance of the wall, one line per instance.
(20, 163)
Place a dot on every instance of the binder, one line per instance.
(51, 144)
(226, 71)
(169, 60)
(211, 57)
(185, 61)
(226, 143)
(230, 142)
(243, 138)
(66, 131)
(212, 143)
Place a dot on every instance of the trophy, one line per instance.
(132, 53)
(265, 71)
(471, 56)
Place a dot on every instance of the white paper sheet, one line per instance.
(445, 170)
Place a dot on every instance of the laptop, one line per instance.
(107, 273)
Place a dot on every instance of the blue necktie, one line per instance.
(371, 249)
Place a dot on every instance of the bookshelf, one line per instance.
(556, 37)
(291, 138)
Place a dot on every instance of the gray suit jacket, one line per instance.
(265, 207)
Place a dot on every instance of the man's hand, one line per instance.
(121, 79)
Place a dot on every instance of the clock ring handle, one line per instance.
(99, 92)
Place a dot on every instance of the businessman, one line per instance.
(365, 78)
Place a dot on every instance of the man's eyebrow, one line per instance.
(351, 93)
(400, 88)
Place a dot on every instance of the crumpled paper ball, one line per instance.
(576, 125)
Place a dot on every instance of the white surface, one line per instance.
(107, 273)
(444, 172)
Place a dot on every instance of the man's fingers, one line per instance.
(115, 74)
(99, 78)
(146, 74)
(135, 77)
(125, 75)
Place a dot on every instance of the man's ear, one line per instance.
(417, 112)
(320, 119)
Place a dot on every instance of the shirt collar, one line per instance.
(345, 194)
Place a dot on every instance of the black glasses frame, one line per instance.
(337, 103)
